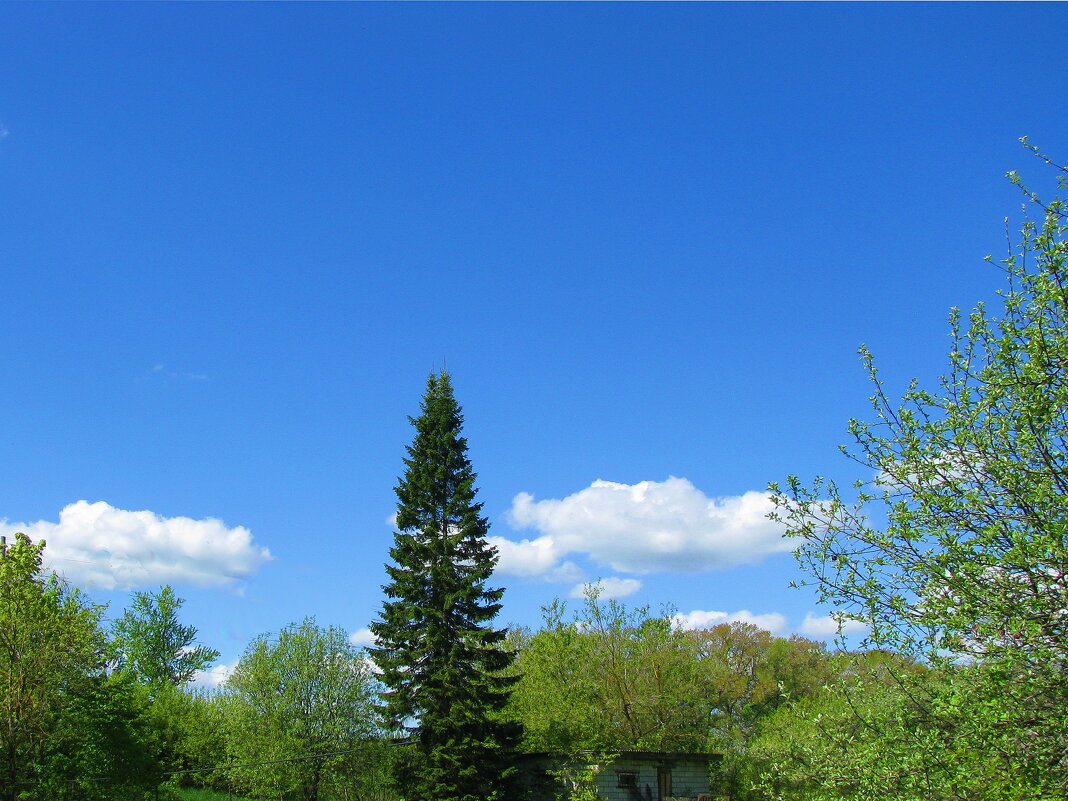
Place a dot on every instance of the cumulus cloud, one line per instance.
(95, 544)
(213, 678)
(702, 619)
(362, 638)
(827, 626)
(642, 528)
(608, 588)
(537, 558)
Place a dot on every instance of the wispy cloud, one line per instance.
(812, 626)
(161, 371)
(95, 544)
(648, 527)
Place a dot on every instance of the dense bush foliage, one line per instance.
(305, 691)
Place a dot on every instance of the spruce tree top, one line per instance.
(437, 490)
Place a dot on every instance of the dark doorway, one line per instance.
(663, 783)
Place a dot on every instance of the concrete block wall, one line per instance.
(688, 779)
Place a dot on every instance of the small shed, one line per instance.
(629, 776)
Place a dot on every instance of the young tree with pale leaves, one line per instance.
(956, 552)
(305, 691)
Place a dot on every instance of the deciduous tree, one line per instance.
(956, 552)
(153, 645)
(869, 733)
(614, 678)
(63, 722)
(306, 691)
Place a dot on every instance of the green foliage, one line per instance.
(306, 691)
(613, 679)
(205, 794)
(885, 728)
(440, 658)
(865, 736)
(577, 775)
(103, 746)
(955, 552)
(558, 695)
(745, 673)
(190, 734)
(151, 643)
(610, 679)
(62, 720)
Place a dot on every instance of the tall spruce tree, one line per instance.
(440, 658)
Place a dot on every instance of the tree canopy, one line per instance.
(305, 691)
(151, 643)
(609, 678)
(62, 719)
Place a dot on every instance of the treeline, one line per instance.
(610, 678)
(94, 712)
(107, 713)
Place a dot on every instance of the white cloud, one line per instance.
(608, 588)
(214, 678)
(777, 624)
(642, 528)
(97, 545)
(701, 619)
(537, 558)
(827, 626)
(363, 637)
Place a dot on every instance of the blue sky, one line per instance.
(646, 240)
